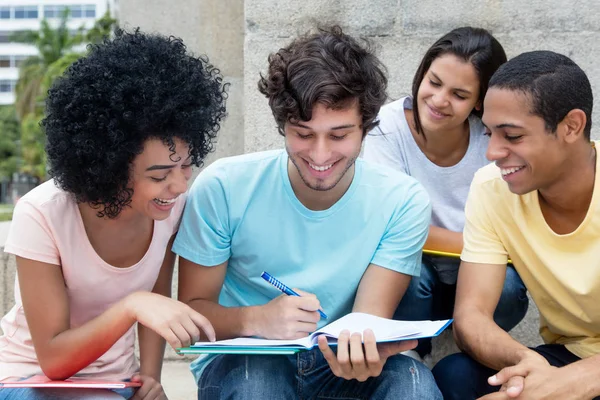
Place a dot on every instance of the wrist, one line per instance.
(130, 304)
(250, 321)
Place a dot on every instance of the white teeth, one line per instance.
(165, 201)
(321, 169)
(507, 171)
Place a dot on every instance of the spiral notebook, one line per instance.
(385, 330)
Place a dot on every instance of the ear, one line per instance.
(478, 105)
(573, 125)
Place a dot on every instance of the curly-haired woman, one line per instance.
(124, 126)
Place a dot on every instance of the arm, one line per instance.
(285, 317)
(380, 291)
(441, 239)
(478, 290)
(152, 345)
(62, 351)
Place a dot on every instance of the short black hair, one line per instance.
(328, 67)
(476, 46)
(125, 91)
(554, 84)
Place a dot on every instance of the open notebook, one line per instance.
(385, 330)
(41, 381)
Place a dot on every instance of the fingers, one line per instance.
(150, 389)
(506, 373)
(387, 350)
(203, 323)
(329, 356)
(515, 386)
(307, 303)
(358, 364)
(371, 351)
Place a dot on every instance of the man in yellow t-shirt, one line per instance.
(537, 203)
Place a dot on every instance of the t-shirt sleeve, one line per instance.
(401, 247)
(204, 235)
(30, 235)
(481, 242)
(382, 147)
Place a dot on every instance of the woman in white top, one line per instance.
(436, 135)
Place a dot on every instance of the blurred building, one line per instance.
(20, 15)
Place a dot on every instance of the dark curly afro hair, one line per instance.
(127, 90)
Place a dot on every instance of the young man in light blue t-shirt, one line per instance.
(346, 233)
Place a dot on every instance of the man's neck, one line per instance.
(566, 203)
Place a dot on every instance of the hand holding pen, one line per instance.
(288, 316)
(284, 289)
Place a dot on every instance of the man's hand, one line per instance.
(288, 317)
(547, 383)
(150, 389)
(512, 378)
(360, 359)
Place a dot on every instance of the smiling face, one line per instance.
(324, 149)
(448, 93)
(158, 177)
(529, 157)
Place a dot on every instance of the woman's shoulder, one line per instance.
(47, 198)
(392, 117)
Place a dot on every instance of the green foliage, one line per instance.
(9, 137)
(52, 44)
(102, 29)
(33, 142)
(36, 76)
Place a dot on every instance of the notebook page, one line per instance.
(383, 328)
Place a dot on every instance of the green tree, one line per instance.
(9, 138)
(33, 142)
(38, 73)
(52, 44)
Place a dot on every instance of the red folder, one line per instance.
(41, 381)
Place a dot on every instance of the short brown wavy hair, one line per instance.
(327, 67)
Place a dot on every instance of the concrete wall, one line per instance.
(211, 27)
(404, 30)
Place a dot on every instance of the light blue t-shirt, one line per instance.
(243, 209)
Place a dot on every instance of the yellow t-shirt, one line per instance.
(561, 272)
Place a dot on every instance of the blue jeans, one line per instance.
(64, 393)
(461, 378)
(427, 298)
(307, 376)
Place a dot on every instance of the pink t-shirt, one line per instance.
(47, 227)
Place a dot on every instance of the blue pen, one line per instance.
(284, 289)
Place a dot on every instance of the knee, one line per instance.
(246, 377)
(449, 374)
(411, 378)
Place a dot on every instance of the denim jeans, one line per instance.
(427, 298)
(461, 378)
(64, 393)
(307, 376)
